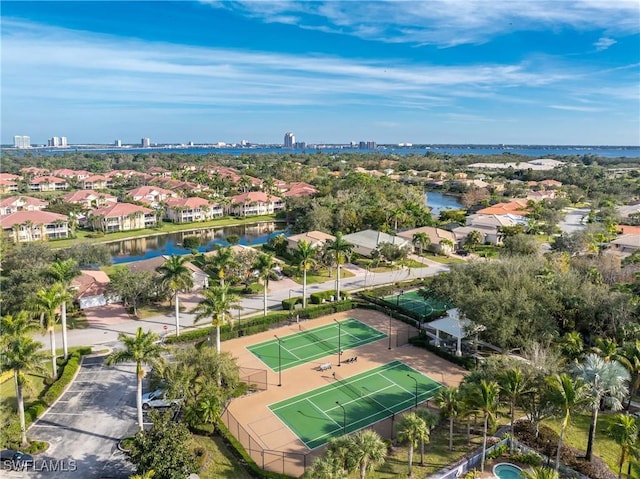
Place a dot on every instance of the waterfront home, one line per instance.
(316, 239)
(515, 207)
(25, 226)
(90, 288)
(90, 199)
(199, 277)
(440, 240)
(95, 182)
(48, 183)
(490, 225)
(121, 217)
(366, 241)
(21, 203)
(151, 195)
(188, 210)
(254, 203)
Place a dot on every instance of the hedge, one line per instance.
(289, 303)
(68, 373)
(321, 296)
(422, 342)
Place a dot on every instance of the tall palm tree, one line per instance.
(177, 277)
(142, 349)
(606, 380)
(484, 402)
(631, 352)
(217, 305)
(624, 431)
(422, 240)
(20, 354)
(448, 400)
(47, 303)
(63, 272)
(566, 395)
(339, 450)
(512, 385)
(264, 265)
(221, 262)
(305, 256)
(412, 429)
(341, 251)
(367, 450)
(431, 420)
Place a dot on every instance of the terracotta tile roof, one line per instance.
(35, 170)
(25, 200)
(69, 173)
(192, 202)
(88, 195)
(515, 207)
(93, 178)
(254, 197)
(629, 230)
(90, 283)
(47, 179)
(36, 217)
(149, 190)
(119, 209)
(4, 181)
(9, 176)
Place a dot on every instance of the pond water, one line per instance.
(171, 243)
(439, 201)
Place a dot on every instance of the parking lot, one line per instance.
(84, 426)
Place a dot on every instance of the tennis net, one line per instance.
(322, 343)
(358, 394)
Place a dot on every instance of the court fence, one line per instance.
(256, 379)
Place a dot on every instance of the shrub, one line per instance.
(288, 304)
(498, 451)
(68, 373)
(33, 411)
(530, 459)
(190, 242)
(423, 342)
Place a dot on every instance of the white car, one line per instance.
(158, 398)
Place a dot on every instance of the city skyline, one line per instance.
(473, 72)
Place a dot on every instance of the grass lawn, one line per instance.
(217, 460)
(35, 384)
(577, 435)
(442, 259)
(155, 309)
(322, 276)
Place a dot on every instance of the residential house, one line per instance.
(90, 288)
(25, 226)
(299, 188)
(95, 182)
(69, 173)
(90, 199)
(48, 183)
(628, 211)
(151, 195)
(366, 241)
(316, 239)
(33, 171)
(440, 240)
(10, 177)
(490, 225)
(199, 277)
(515, 207)
(158, 171)
(21, 203)
(121, 217)
(627, 244)
(8, 186)
(188, 210)
(254, 203)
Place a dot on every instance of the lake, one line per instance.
(137, 249)
(438, 202)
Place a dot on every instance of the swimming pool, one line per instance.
(504, 470)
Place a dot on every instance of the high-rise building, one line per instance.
(53, 141)
(117, 143)
(63, 141)
(22, 141)
(145, 142)
(289, 140)
(367, 145)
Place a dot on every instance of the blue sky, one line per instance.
(437, 71)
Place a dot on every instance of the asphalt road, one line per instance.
(84, 426)
(573, 220)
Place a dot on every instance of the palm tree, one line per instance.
(513, 386)
(177, 277)
(431, 420)
(19, 354)
(412, 429)
(572, 346)
(305, 256)
(221, 262)
(540, 473)
(63, 271)
(484, 401)
(367, 450)
(625, 433)
(264, 265)
(606, 380)
(326, 467)
(422, 240)
(566, 395)
(341, 251)
(448, 400)
(47, 302)
(631, 352)
(474, 238)
(339, 451)
(144, 350)
(217, 305)
(209, 410)
(150, 474)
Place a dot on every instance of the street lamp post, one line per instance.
(416, 393)
(389, 329)
(398, 297)
(279, 360)
(339, 348)
(344, 418)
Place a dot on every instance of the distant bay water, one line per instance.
(535, 151)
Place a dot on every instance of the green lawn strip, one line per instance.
(368, 397)
(577, 436)
(216, 459)
(33, 387)
(442, 259)
(309, 345)
(322, 276)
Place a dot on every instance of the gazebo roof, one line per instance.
(451, 324)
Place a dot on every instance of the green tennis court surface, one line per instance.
(412, 301)
(367, 398)
(309, 345)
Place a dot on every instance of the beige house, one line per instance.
(188, 210)
(90, 198)
(440, 241)
(366, 241)
(254, 203)
(48, 183)
(626, 244)
(121, 217)
(8, 186)
(21, 203)
(199, 277)
(316, 239)
(25, 226)
(95, 182)
(151, 195)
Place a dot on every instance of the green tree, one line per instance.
(368, 450)
(566, 395)
(217, 304)
(412, 429)
(473, 239)
(448, 400)
(147, 475)
(341, 251)
(521, 244)
(63, 272)
(606, 381)
(20, 354)
(540, 473)
(572, 346)
(305, 257)
(624, 431)
(220, 263)
(264, 265)
(47, 302)
(164, 448)
(143, 350)
(421, 240)
(484, 402)
(431, 420)
(512, 385)
(130, 287)
(177, 277)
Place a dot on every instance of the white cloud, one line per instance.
(603, 43)
(585, 109)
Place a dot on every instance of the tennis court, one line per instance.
(412, 301)
(309, 345)
(349, 404)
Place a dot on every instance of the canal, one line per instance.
(439, 201)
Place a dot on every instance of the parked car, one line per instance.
(16, 460)
(158, 399)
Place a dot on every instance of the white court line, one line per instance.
(330, 418)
